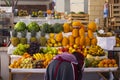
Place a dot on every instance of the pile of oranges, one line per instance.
(108, 63)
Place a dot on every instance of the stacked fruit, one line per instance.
(91, 61)
(70, 49)
(39, 56)
(34, 48)
(24, 62)
(38, 60)
(77, 37)
(54, 40)
(22, 13)
(45, 55)
(44, 59)
(50, 50)
(27, 63)
(38, 64)
(95, 51)
(108, 63)
(48, 58)
(21, 49)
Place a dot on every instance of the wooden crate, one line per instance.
(83, 18)
(114, 13)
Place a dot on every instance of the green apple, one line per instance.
(54, 50)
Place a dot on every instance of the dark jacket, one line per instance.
(63, 68)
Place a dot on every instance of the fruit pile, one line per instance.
(56, 32)
(108, 63)
(95, 51)
(34, 48)
(70, 49)
(92, 61)
(38, 60)
(40, 51)
(21, 49)
(22, 13)
(107, 34)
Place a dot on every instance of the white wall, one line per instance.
(63, 5)
(79, 5)
(72, 5)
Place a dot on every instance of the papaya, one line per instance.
(75, 32)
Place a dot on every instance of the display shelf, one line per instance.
(39, 20)
(43, 70)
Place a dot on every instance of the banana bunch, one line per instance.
(96, 51)
(39, 56)
(29, 66)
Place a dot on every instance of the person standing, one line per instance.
(66, 66)
(105, 11)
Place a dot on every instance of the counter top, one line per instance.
(43, 70)
(3, 49)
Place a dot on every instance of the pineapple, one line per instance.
(23, 39)
(14, 39)
(43, 39)
(33, 37)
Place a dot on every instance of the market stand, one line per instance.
(29, 72)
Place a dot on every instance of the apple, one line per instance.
(66, 49)
(54, 50)
(50, 52)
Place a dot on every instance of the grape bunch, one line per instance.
(34, 48)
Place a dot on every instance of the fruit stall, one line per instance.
(33, 46)
(35, 41)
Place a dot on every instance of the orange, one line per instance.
(100, 65)
(49, 11)
(108, 61)
(105, 65)
(110, 65)
(113, 61)
(115, 65)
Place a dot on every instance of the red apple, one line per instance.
(66, 49)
